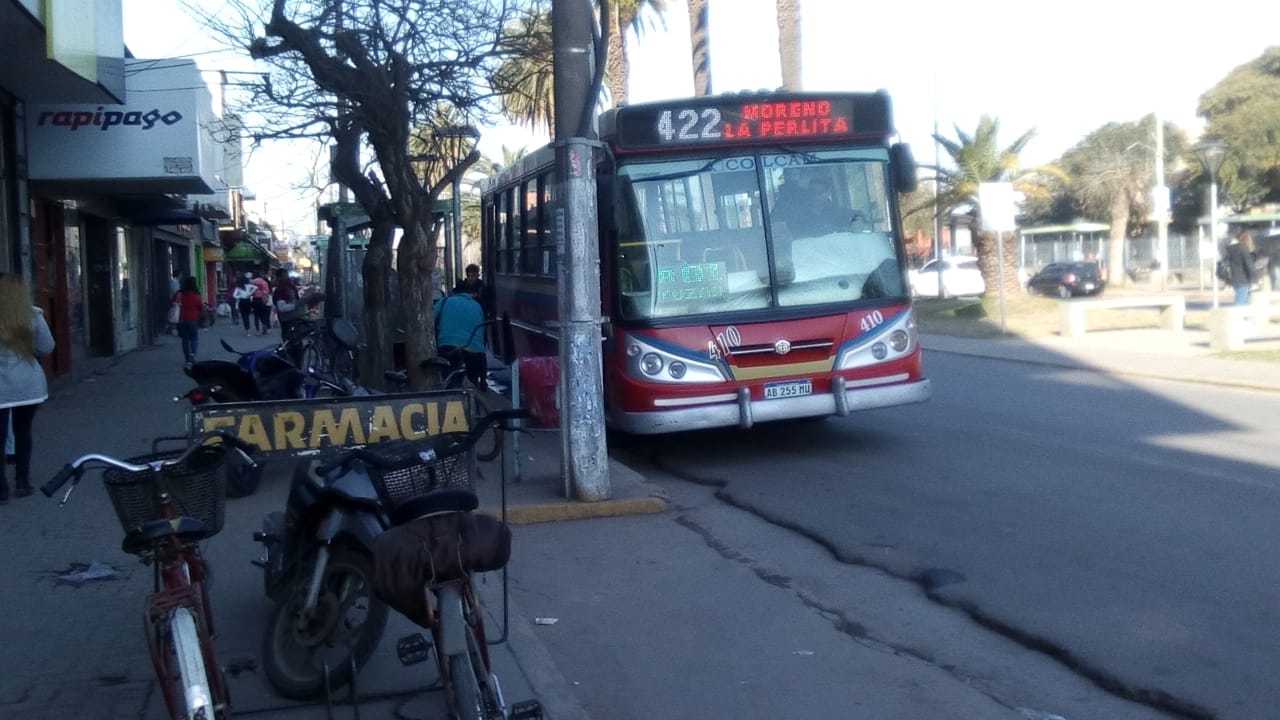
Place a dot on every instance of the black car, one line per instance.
(1068, 279)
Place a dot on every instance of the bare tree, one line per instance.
(375, 77)
(1113, 171)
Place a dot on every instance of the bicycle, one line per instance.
(433, 546)
(167, 503)
(325, 350)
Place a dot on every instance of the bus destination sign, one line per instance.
(734, 120)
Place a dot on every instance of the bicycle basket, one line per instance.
(197, 487)
(408, 477)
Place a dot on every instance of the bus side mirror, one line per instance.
(508, 340)
(903, 166)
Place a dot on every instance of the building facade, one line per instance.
(112, 178)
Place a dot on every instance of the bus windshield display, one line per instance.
(730, 120)
(749, 232)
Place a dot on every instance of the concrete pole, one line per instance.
(586, 458)
(1161, 202)
(1213, 236)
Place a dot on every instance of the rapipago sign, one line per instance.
(304, 428)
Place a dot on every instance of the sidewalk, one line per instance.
(73, 650)
(1161, 354)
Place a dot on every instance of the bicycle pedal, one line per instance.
(413, 649)
(526, 710)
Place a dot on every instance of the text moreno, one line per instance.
(787, 119)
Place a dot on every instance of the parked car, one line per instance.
(1068, 279)
(960, 276)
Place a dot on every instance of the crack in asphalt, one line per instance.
(928, 582)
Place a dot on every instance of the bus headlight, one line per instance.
(888, 342)
(647, 358)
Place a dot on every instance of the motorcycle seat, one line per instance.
(436, 501)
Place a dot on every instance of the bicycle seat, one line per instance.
(436, 501)
(186, 529)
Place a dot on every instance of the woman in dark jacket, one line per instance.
(1240, 272)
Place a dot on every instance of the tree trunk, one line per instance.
(616, 65)
(699, 40)
(789, 43)
(416, 257)
(377, 353)
(985, 246)
(1115, 247)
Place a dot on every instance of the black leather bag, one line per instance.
(434, 549)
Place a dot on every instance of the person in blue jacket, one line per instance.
(458, 337)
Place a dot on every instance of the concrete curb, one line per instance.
(578, 510)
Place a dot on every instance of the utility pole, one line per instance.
(1161, 203)
(585, 457)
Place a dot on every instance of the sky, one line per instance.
(1061, 69)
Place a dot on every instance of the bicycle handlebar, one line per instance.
(500, 418)
(75, 468)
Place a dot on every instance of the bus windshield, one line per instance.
(754, 231)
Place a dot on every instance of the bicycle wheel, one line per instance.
(313, 358)
(342, 364)
(467, 703)
(471, 692)
(193, 688)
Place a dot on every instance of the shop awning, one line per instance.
(248, 250)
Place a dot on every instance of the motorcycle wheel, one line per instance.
(242, 480)
(348, 624)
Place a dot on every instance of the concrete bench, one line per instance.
(1231, 326)
(1173, 310)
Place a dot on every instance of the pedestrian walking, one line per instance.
(261, 304)
(1241, 274)
(288, 306)
(24, 337)
(175, 284)
(189, 307)
(244, 300)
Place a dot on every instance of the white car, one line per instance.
(960, 276)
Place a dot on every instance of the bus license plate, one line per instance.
(791, 388)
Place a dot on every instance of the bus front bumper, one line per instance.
(743, 412)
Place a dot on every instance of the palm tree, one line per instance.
(524, 81)
(625, 14)
(789, 43)
(978, 158)
(698, 45)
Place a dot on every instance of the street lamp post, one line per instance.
(1211, 153)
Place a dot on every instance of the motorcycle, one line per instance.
(256, 375)
(317, 564)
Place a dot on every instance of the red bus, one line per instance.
(752, 259)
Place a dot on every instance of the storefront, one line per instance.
(111, 221)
